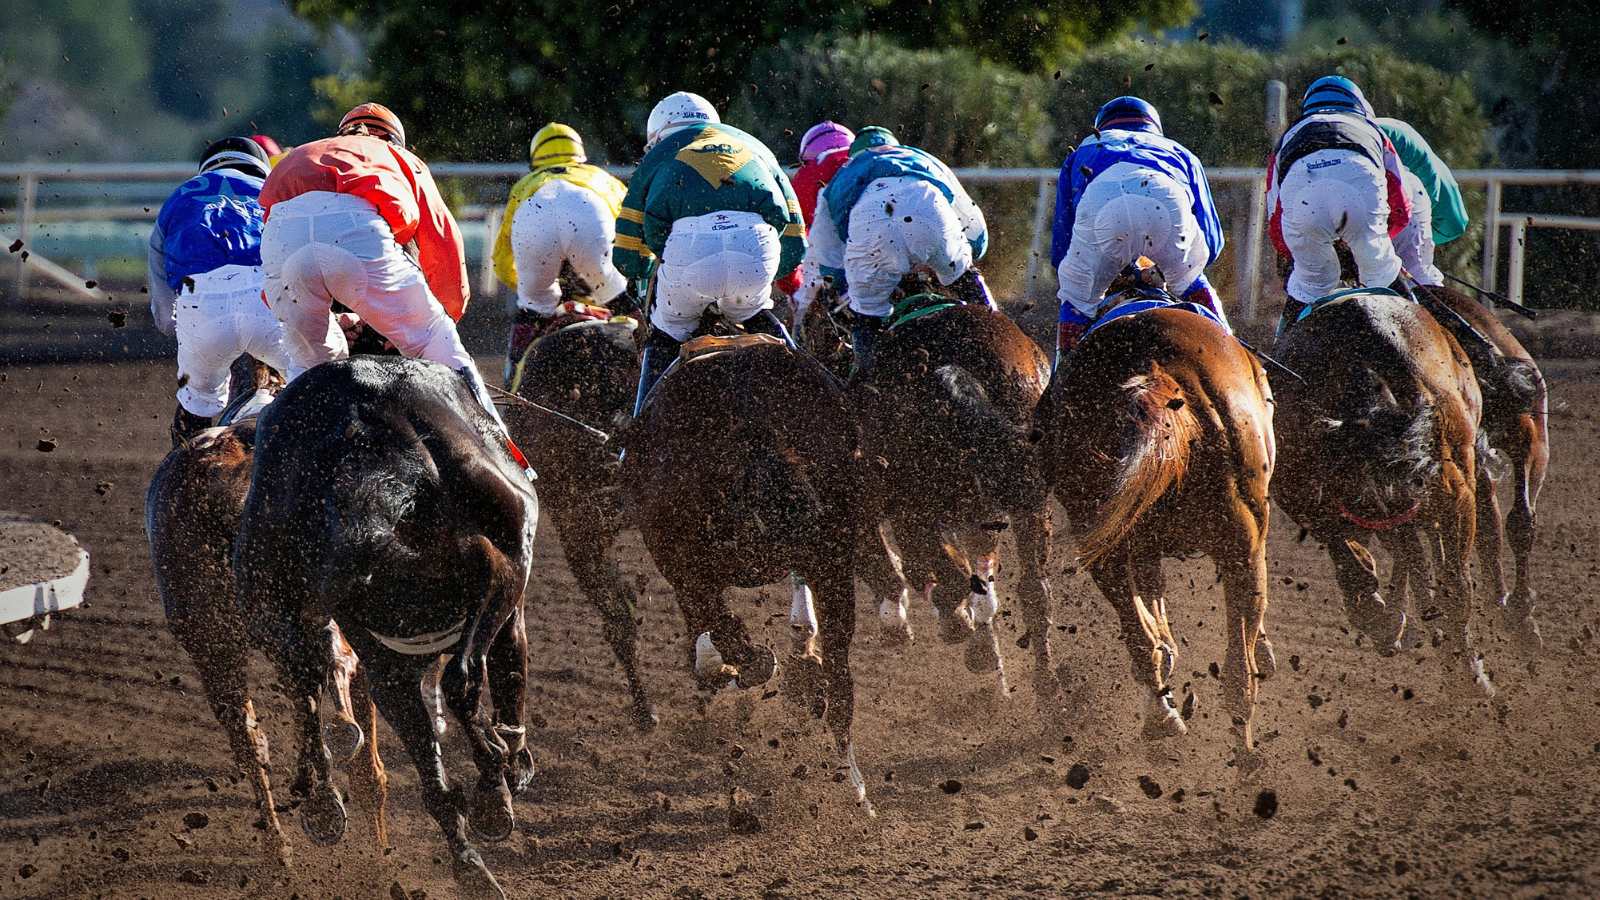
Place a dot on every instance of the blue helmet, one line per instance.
(1130, 113)
(1335, 92)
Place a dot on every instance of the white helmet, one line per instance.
(682, 108)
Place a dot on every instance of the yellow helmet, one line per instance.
(554, 144)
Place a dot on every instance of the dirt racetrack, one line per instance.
(115, 780)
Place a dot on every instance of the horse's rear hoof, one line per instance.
(1162, 720)
(343, 739)
(896, 628)
(759, 670)
(522, 771)
(982, 655)
(491, 818)
(1480, 678)
(323, 816)
(1266, 659)
(1381, 623)
(1517, 613)
(474, 879)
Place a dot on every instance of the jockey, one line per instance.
(205, 279)
(274, 150)
(563, 213)
(1438, 214)
(714, 205)
(889, 211)
(1128, 191)
(1335, 176)
(824, 149)
(356, 218)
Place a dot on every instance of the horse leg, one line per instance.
(1244, 583)
(394, 689)
(720, 649)
(1530, 452)
(1141, 633)
(369, 782)
(1033, 528)
(801, 681)
(1150, 586)
(597, 575)
(301, 656)
(341, 732)
(508, 687)
(836, 599)
(1454, 591)
(1490, 536)
(879, 566)
(1357, 573)
(928, 558)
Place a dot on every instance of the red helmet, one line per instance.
(377, 119)
(267, 144)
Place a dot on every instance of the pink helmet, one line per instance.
(822, 137)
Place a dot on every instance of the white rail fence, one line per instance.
(1249, 235)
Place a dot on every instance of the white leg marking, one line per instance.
(893, 615)
(433, 697)
(858, 784)
(802, 611)
(985, 605)
(708, 662)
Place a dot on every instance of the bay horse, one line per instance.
(1516, 422)
(1158, 441)
(192, 511)
(385, 499)
(1383, 438)
(587, 369)
(745, 467)
(947, 409)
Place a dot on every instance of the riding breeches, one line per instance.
(320, 247)
(723, 259)
(1334, 195)
(1126, 212)
(563, 223)
(898, 226)
(217, 319)
(1414, 243)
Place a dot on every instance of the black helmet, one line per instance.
(239, 153)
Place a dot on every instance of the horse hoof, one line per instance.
(1518, 617)
(1169, 661)
(323, 816)
(1163, 721)
(892, 620)
(982, 654)
(491, 818)
(1480, 678)
(343, 739)
(521, 772)
(644, 716)
(1248, 762)
(474, 879)
(1385, 630)
(1266, 659)
(759, 670)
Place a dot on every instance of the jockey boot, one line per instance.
(1291, 313)
(767, 322)
(660, 349)
(626, 303)
(971, 288)
(864, 332)
(526, 327)
(186, 425)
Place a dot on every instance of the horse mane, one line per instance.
(1158, 428)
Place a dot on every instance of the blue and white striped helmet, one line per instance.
(1335, 92)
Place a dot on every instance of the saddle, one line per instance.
(1141, 287)
(572, 315)
(708, 345)
(916, 306)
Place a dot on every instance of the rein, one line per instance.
(588, 429)
(1387, 524)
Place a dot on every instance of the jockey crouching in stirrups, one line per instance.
(1129, 191)
(890, 211)
(1335, 176)
(1438, 213)
(205, 279)
(715, 206)
(342, 213)
(824, 149)
(563, 214)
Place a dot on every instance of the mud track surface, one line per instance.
(115, 780)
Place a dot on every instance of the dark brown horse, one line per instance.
(192, 511)
(1383, 437)
(947, 410)
(1159, 442)
(385, 499)
(1516, 422)
(586, 370)
(744, 468)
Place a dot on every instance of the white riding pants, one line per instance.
(222, 317)
(563, 223)
(896, 226)
(1414, 243)
(725, 259)
(1126, 212)
(1328, 196)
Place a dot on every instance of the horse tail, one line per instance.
(1008, 457)
(1157, 433)
(1395, 446)
(775, 489)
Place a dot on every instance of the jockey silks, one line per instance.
(212, 220)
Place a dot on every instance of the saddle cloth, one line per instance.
(1320, 302)
(1145, 303)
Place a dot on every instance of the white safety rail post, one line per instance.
(1277, 121)
(1491, 234)
(1038, 248)
(487, 283)
(27, 197)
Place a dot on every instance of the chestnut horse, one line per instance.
(1159, 442)
(746, 467)
(587, 370)
(384, 498)
(1383, 437)
(192, 511)
(947, 412)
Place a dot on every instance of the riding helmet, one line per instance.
(378, 120)
(873, 136)
(1334, 92)
(1128, 114)
(682, 108)
(239, 153)
(555, 144)
(823, 137)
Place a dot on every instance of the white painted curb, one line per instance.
(32, 604)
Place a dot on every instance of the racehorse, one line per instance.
(1515, 419)
(1383, 437)
(745, 467)
(587, 370)
(192, 511)
(1159, 442)
(947, 413)
(385, 499)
